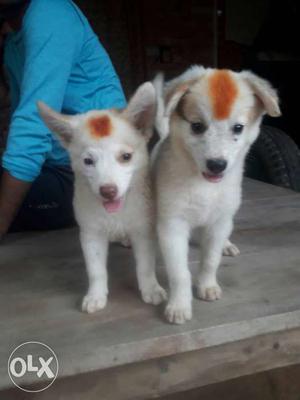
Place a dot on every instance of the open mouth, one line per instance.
(113, 206)
(214, 178)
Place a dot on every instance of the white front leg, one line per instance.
(213, 239)
(94, 246)
(145, 255)
(173, 239)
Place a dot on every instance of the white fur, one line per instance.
(130, 130)
(185, 199)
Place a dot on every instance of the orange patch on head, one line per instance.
(100, 126)
(223, 92)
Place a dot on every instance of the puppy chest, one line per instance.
(199, 211)
(203, 205)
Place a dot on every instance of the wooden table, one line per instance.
(129, 351)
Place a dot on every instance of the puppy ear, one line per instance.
(167, 102)
(58, 123)
(169, 94)
(161, 120)
(174, 95)
(142, 107)
(263, 90)
(177, 87)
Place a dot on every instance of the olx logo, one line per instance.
(33, 366)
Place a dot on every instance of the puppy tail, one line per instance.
(161, 119)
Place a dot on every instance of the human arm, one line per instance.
(50, 47)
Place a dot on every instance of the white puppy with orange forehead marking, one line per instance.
(113, 198)
(208, 120)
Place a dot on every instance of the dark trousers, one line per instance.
(48, 204)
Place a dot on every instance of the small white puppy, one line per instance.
(113, 198)
(209, 121)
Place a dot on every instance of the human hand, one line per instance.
(4, 225)
(12, 193)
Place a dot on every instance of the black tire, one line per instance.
(274, 158)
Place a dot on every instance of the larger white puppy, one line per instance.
(113, 196)
(209, 121)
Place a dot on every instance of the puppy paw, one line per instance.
(209, 293)
(93, 302)
(178, 313)
(230, 249)
(154, 295)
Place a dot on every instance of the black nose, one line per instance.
(109, 192)
(216, 165)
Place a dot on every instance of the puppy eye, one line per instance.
(237, 128)
(125, 157)
(198, 128)
(88, 161)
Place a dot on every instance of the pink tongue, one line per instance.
(112, 206)
(212, 178)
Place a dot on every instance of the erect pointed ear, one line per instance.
(142, 107)
(167, 100)
(60, 124)
(177, 87)
(170, 94)
(263, 90)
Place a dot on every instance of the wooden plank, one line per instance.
(280, 383)
(254, 190)
(43, 279)
(154, 378)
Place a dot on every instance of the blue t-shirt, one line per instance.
(56, 58)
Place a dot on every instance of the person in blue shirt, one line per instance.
(51, 54)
